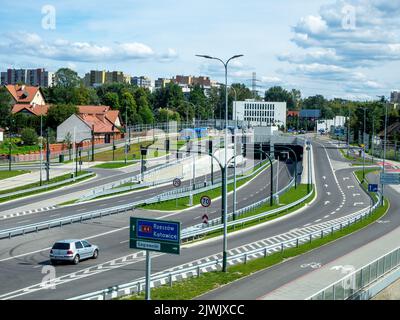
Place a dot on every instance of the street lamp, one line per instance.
(385, 142)
(224, 180)
(234, 152)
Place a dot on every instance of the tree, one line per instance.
(111, 99)
(127, 104)
(5, 107)
(57, 114)
(277, 94)
(29, 136)
(144, 111)
(67, 78)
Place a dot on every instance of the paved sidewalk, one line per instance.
(34, 175)
(315, 281)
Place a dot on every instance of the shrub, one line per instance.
(29, 136)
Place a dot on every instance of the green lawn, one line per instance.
(183, 203)
(10, 174)
(112, 165)
(119, 153)
(196, 286)
(37, 184)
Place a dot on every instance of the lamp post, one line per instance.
(234, 153)
(41, 148)
(126, 132)
(365, 115)
(224, 178)
(384, 145)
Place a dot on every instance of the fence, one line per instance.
(46, 186)
(8, 233)
(354, 285)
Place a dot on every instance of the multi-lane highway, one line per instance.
(338, 195)
(22, 258)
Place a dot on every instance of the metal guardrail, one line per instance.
(351, 286)
(138, 285)
(202, 228)
(97, 192)
(44, 187)
(8, 233)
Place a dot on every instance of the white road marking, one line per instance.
(55, 215)
(125, 241)
(350, 187)
(318, 220)
(23, 221)
(326, 203)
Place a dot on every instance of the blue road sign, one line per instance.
(155, 235)
(372, 188)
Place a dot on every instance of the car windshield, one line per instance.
(61, 246)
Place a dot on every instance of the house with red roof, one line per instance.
(101, 119)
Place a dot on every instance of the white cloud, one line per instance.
(311, 24)
(23, 43)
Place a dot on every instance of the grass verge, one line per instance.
(12, 173)
(113, 165)
(37, 184)
(196, 286)
(183, 203)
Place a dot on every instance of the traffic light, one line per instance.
(210, 146)
(244, 149)
(167, 145)
(199, 149)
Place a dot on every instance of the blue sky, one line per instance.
(340, 49)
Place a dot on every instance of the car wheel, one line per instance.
(95, 254)
(76, 259)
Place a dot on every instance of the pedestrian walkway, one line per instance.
(311, 283)
(34, 175)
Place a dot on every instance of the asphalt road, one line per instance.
(114, 244)
(262, 283)
(25, 270)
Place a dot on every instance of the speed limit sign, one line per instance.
(205, 201)
(176, 182)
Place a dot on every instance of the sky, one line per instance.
(345, 49)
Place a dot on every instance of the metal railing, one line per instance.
(167, 276)
(354, 284)
(8, 233)
(46, 186)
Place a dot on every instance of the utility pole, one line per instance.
(365, 115)
(47, 156)
(41, 148)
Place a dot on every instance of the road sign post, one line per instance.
(154, 235)
(205, 202)
(177, 183)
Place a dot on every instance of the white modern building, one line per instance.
(260, 113)
(328, 125)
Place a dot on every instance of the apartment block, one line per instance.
(32, 77)
(142, 82)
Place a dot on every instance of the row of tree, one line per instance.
(138, 105)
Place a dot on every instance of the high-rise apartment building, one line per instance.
(97, 78)
(395, 97)
(161, 83)
(142, 82)
(31, 77)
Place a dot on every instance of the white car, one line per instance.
(73, 251)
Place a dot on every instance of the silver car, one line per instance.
(73, 251)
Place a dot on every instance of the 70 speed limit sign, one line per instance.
(205, 201)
